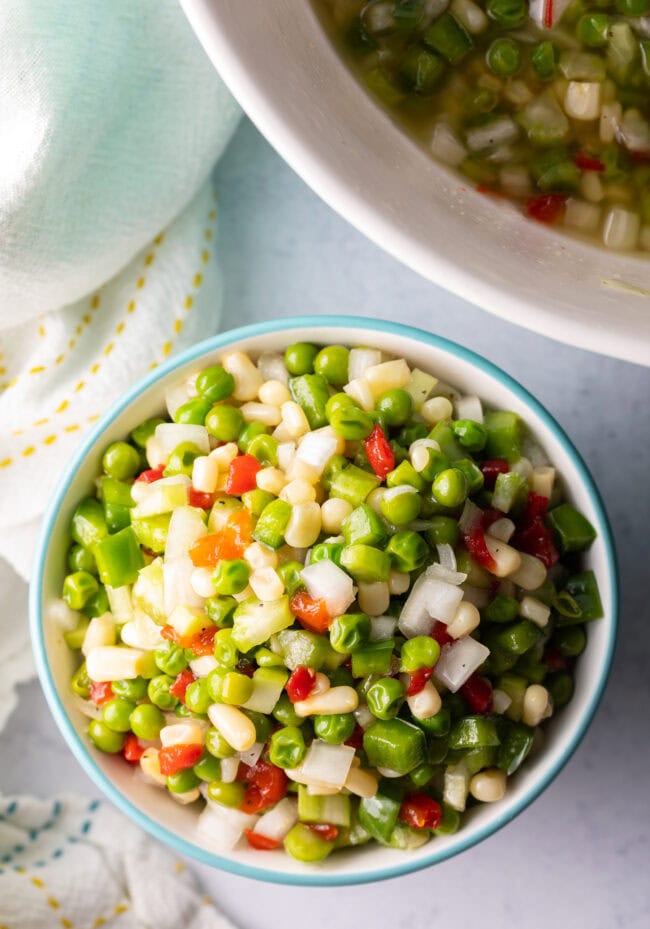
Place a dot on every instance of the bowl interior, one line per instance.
(175, 824)
(280, 64)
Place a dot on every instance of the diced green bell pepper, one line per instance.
(119, 558)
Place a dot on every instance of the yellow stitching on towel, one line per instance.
(6, 462)
(120, 908)
(100, 921)
(66, 923)
(28, 451)
(50, 440)
(54, 903)
(37, 882)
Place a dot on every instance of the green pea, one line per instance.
(503, 58)
(411, 432)
(332, 364)
(256, 500)
(419, 652)
(147, 721)
(396, 405)
(508, 13)
(181, 459)
(289, 574)
(215, 384)
(182, 711)
(214, 683)
(193, 412)
(351, 423)
(443, 531)
(473, 474)
(405, 474)
(82, 559)
(262, 725)
(401, 505)
(422, 775)
(231, 576)
(226, 794)
(78, 588)
(633, 7)
(327, 551)
(299, 358)
(217, 745)
(560, 686)
(106, 740)
(349, 632)
(265, 449)
(336, 728)
(121, 460)
(197, 698)
(287, 748)
(407, 549)
(385, 697)
(265, 658)
(236, 688)
(116, 714)
(248, 433)
(501, 610)
(285, 713)
(303, 844)
(170, 658)
(80, 682)
(142, 433)
(225, 650)
(134, 689)
(365, 563)
(158, 692)
(450, 488)
(592, 29)
(208, 768)
(224, 422)
(338, 402)
(98, 605)
(544, 60)
(220, 610)
(421, 70)
(570, 640)
(183, 781)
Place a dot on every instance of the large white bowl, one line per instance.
(154, 809)
(279, 63)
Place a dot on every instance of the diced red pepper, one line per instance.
(242, 474)
(356, 739)
(267, 784)
(132, 750)
(492, 191)
(301, 683)
(477, 691)
(420, 811)
(190, 641)
(325, 831)
(203, 642)
(474, 542)
(640, 157)
(175, 758)
(587, 163)
(546, 208)
(180, 685)
(555, 660)
(151, 475)
(200, 500)
(440, 634)
(533, 536)
(312, 614)
(492, 468)
(101, 692)
(247, 667)
(263, 843)
(417, 680)
(231, 542)
(379, 453)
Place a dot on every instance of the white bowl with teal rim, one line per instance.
(280, 64)
(152, 808)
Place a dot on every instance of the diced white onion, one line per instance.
(277, 822)
(252, 756)
(176, 396)
(119, 599)
(100, 631)
(316, 449)
(170, 435)
(229, 769)
(324, 580)
(201, 667)
(360, 360)
(178, 590)
(382, 628)
(87, 708)
(430, 600)
(500, 701)
(272, 368)
(186, 526)
(458, 661)
(364, 716)
(546, 13)
(446, 146)
(502, 529)
(359, 390)
(221, 827)
(621, 228)
(59, 614)
(479, 596)
(456, 786)
(447, 557)
(328, 764)
(142, 632)
(469, 407)
(470, 16)
(497, 132)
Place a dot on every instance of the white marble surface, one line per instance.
(579, 857)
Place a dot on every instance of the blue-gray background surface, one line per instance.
(580, 857)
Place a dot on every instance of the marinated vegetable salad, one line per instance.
(328, 599)
(546, 102)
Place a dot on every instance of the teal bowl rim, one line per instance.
(79, 749)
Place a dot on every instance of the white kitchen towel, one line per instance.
(111, 119)
(72, 863)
